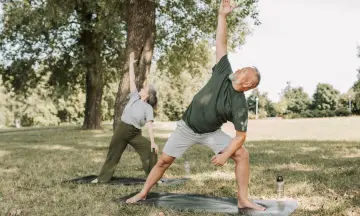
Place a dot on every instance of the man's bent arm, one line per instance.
(236, 143)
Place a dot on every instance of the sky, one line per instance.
(304, 42)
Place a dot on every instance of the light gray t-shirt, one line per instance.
(137, 112)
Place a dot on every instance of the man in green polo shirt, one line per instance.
(222, 99)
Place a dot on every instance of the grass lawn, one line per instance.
(322, 175)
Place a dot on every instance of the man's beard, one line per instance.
(232, 77)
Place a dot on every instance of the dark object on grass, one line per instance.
(195, 202)
(114, 180)
(124, 181)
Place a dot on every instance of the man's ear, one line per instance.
(248, 84)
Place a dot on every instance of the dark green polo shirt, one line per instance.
(217, 102)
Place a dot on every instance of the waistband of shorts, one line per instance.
(188, 129)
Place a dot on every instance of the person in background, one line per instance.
(138, 112)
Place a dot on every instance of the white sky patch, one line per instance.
(304, 42)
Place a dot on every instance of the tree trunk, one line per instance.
(141, 30)
(91, 43)
(94, 92)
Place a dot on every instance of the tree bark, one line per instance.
(141, 29)
(94, 92)
(91, 44)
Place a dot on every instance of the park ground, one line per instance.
(319, 159)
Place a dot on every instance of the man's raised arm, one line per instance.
(221, 37)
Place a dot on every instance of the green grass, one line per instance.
(322, 176)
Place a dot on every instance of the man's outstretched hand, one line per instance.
(226, 8)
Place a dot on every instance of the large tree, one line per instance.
(78, 42)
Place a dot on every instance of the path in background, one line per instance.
(342, 129)
(347, 129)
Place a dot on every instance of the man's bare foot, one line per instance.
(251, 205)
(136, 198)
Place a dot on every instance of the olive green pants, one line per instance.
(123, 135)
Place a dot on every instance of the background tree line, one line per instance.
(296, 103)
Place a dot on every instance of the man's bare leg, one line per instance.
(155, 175)
(242, 171)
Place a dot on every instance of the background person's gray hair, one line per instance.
(257, 74)
(153, 100)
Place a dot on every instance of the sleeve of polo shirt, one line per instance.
(133, 96)
(240, 118)
(149, 113)
(223, 66)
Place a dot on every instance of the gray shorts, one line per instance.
(184, 137)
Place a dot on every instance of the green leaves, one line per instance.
(19, 75)
(176, 92)
(176, 84)
(325, 97)
(181, 21)
(47, 33)
(356, 90)
(188, 57)
(265, 106)
(297, 99)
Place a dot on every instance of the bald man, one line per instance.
(222, 99)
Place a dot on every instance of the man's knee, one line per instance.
(241, 153)
(165, 161)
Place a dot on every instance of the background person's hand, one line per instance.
(155, 147)
(132, 58)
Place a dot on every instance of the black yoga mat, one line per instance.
(114, 180)
(198, 202)
(125, 180)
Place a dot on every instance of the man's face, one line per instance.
(244, 79)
